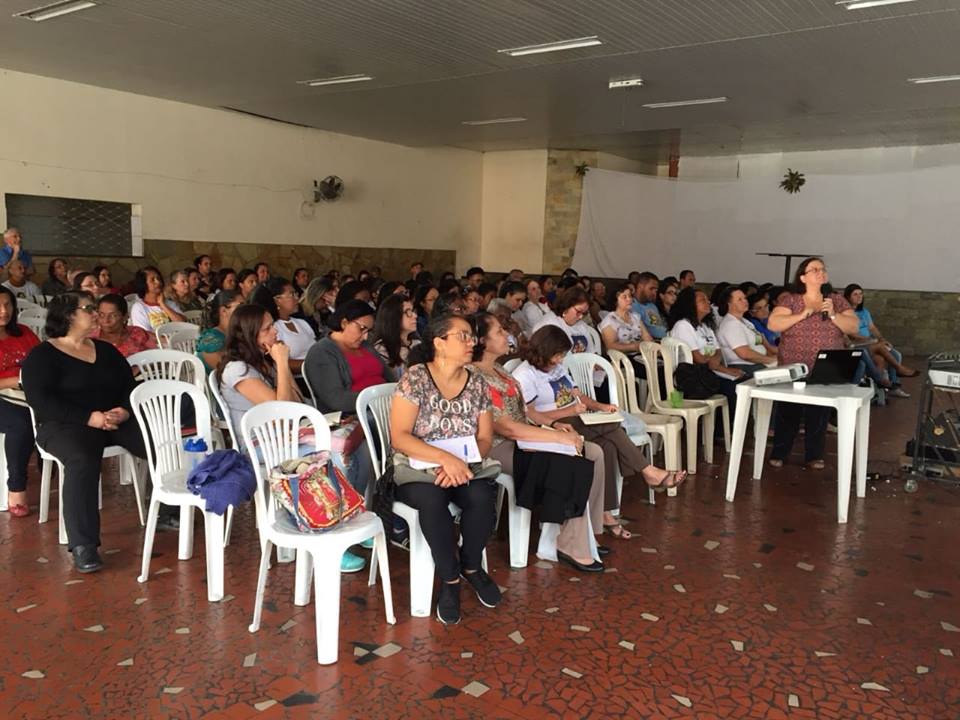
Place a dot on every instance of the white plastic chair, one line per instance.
(170, 365)
(184, 340)
(132, 299)
(377, 400)
(27, 311)
(272, 429)
(690, 410)
(36, 324)
(3, 476)
(513, 364)
(220, 415)
(581, 367)
(665, 426)
(681, 352)
(194, 317)
(156, 405)
(163, 332)
(595, 340)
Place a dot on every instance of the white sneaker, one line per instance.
(897, 393)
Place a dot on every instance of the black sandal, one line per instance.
(670, 480)
(617, 530)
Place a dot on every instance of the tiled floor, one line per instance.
(763, 608)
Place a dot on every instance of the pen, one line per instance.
(465, 455)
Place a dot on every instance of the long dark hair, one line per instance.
(438, 326)
(685, 308)
(388, 327)
(480, 322)
(223, 274)
(12, 328)
(419, 297)
(264, 294)
(241, 343)
(80, 277)
(848, 291)
(51, 265)
(662, 288)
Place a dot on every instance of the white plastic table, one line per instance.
(853, 430)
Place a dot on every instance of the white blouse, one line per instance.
(299, 340)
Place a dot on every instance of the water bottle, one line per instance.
(194, 450)
(910, 485)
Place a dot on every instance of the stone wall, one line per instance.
(562, 207)
(917, 323)
(169, 255)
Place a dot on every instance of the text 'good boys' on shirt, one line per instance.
(437, 417)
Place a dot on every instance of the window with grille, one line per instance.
(71, 226)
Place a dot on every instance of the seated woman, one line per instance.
(622, 329)
(437, 400)
(212, 340)
(423, 302)
(884, 354)
(316, 305)
(56, 281)
(246, 282)
(79, 390)
(16, 342)
(277, 297)
(301, 279)
(394, 332)
(534, 309)
(179, 293)
(195, 283)
(84, 281)
(551, 396)
(226, 279)
(691, 322)
(113, 327)
(510, 424)
(153, 309)
(571, 307)
(667, 295)
(105, 280)
(742, 345)
(759, 312)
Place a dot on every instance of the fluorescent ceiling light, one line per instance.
(553, 46)
(933, 79)
(495, 121)
(625, 83)
(48, 12)
(339, 80)
(683, 103)
(861, 4)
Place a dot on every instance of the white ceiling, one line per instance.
(800, 74)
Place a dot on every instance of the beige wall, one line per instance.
(206, 175)
(514, 187)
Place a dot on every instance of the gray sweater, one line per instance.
(328, 372)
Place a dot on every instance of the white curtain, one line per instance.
(894, 230)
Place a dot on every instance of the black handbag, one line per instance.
(384, 495)
(696, 382)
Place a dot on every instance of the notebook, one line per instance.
(464, 448)
(600, 418)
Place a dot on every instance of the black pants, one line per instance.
(17, 443)
(477, 500)
(787, 417)
(80, 449)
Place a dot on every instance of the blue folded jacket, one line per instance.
(223, 478)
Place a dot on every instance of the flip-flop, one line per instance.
(815, 465)
(775, 462)
(617, 530)
(670, 480)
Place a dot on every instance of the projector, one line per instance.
(781, 374)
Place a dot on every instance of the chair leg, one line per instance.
(135, 472)
(185, 549)
(421, 573)
(374, 564)
(261, 585)
(501, 490)
(691, 424)
(380, 553)
(45, 473)
(148, 539)
(709, 425)
(100, 493)
(326, 578)
(725, 416)
(302, 578)
(519, 518)
(213, 531)
(63, 526)
(229, 526)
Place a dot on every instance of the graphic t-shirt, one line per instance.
(545, 390)
(628, 331)
(505, 397)
(737, 332)
(437, 417)
(150, 317)
(650, 314)
(579, 333)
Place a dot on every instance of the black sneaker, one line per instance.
(448, 603)
(168, 520)
(86, 559)
(487, 591)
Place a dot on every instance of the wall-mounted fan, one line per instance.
(328, 189)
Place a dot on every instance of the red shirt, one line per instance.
(801, 343)
(14, 349)
(365, 370)
(135, 340)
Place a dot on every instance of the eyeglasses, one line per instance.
(409, 313)
(463, 336)
(816, 270)
(92, 309)
(364, 330)
(581, 313)
(670, 292)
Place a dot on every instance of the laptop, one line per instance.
(835, 367)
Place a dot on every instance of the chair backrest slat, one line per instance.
(169, 365)
(581, 366)
(156, 405)
(376, 401)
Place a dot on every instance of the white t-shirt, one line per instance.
(532, 313)
(579, 333)
(627, 331)
(547, 391)
(299, 340)
(734, 333)
(702, 339)
(27, 291)
(150, 317)
(233, 373)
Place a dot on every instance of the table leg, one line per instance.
(846, 430)
(739, 432)
(761, 424)
(862, 445)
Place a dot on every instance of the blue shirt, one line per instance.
(866, 320)
(652, 319)
(761, 325)
(6, 255)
